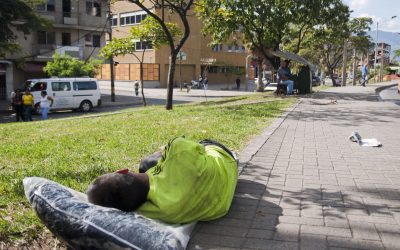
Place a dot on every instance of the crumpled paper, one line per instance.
(356, 137)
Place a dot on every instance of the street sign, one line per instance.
(207, 61)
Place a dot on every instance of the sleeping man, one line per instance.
(187, 182)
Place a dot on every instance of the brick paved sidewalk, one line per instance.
(309, 187)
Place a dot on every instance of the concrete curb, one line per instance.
(381, 88)
(255, 144)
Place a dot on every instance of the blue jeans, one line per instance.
(28, 113)
(289, 84)
(44, 111)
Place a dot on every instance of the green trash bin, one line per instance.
(304, 80)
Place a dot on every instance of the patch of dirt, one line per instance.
(45, 241)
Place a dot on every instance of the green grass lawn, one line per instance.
(75, 151)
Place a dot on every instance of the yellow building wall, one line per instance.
(196, 48)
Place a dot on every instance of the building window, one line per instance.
(46, 37)
(122, 21)
(96, 40)
(132, 18)
(217, 48)
(143, 45)
(114, 21)
(50, 6)
(92, 40)
(93, 8)
(66, 39)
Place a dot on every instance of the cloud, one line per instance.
(391, 25)
(357, 4)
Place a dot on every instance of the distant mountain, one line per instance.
(391, 38)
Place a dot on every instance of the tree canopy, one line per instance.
(326, 46)
(17, 16)
(267, 25)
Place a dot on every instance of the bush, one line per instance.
(67, 66)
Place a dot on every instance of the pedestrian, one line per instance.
(186, 182)
(136, 84)
(205, 83)
(364, 73)
(44, 104)
(28, 101)
(17, 105)
(186, 85)
(238, 83)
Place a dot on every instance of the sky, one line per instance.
(379, 10)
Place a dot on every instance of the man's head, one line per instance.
(283, 64)
(124, 191)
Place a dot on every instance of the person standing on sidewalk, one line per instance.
(28, 100)
(364, 73)
(17, 104)
(45, 105)
(205, 83)
(238, 83)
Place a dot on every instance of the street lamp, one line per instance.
(376, 44)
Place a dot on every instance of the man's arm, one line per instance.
(149, 161)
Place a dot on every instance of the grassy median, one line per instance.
(75, 151)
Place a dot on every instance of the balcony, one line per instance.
(44, 52)
(70, 18)
(73, 51)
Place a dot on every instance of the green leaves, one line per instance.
(66, 66)
(18, 15)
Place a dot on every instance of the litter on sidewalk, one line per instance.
(356, 137)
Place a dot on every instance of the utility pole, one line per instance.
(111, 58)
(381, 68)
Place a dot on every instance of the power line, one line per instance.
(62, 46)
(91, 53)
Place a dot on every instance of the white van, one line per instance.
(68, 93)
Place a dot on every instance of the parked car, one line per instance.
(68, 93)
(316, 81)
(271, 86)
(264, 81)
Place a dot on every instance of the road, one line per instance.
(390, 95)
(125, 99)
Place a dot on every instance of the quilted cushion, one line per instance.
(82, 225)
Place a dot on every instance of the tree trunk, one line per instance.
(354, 66)
(344, 68)
(260, 84)
(332, 77)
(170, 83)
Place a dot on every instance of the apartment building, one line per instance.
(383, 54)
(222, 64)
(78, 29)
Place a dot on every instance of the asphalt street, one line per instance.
(126, 99)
